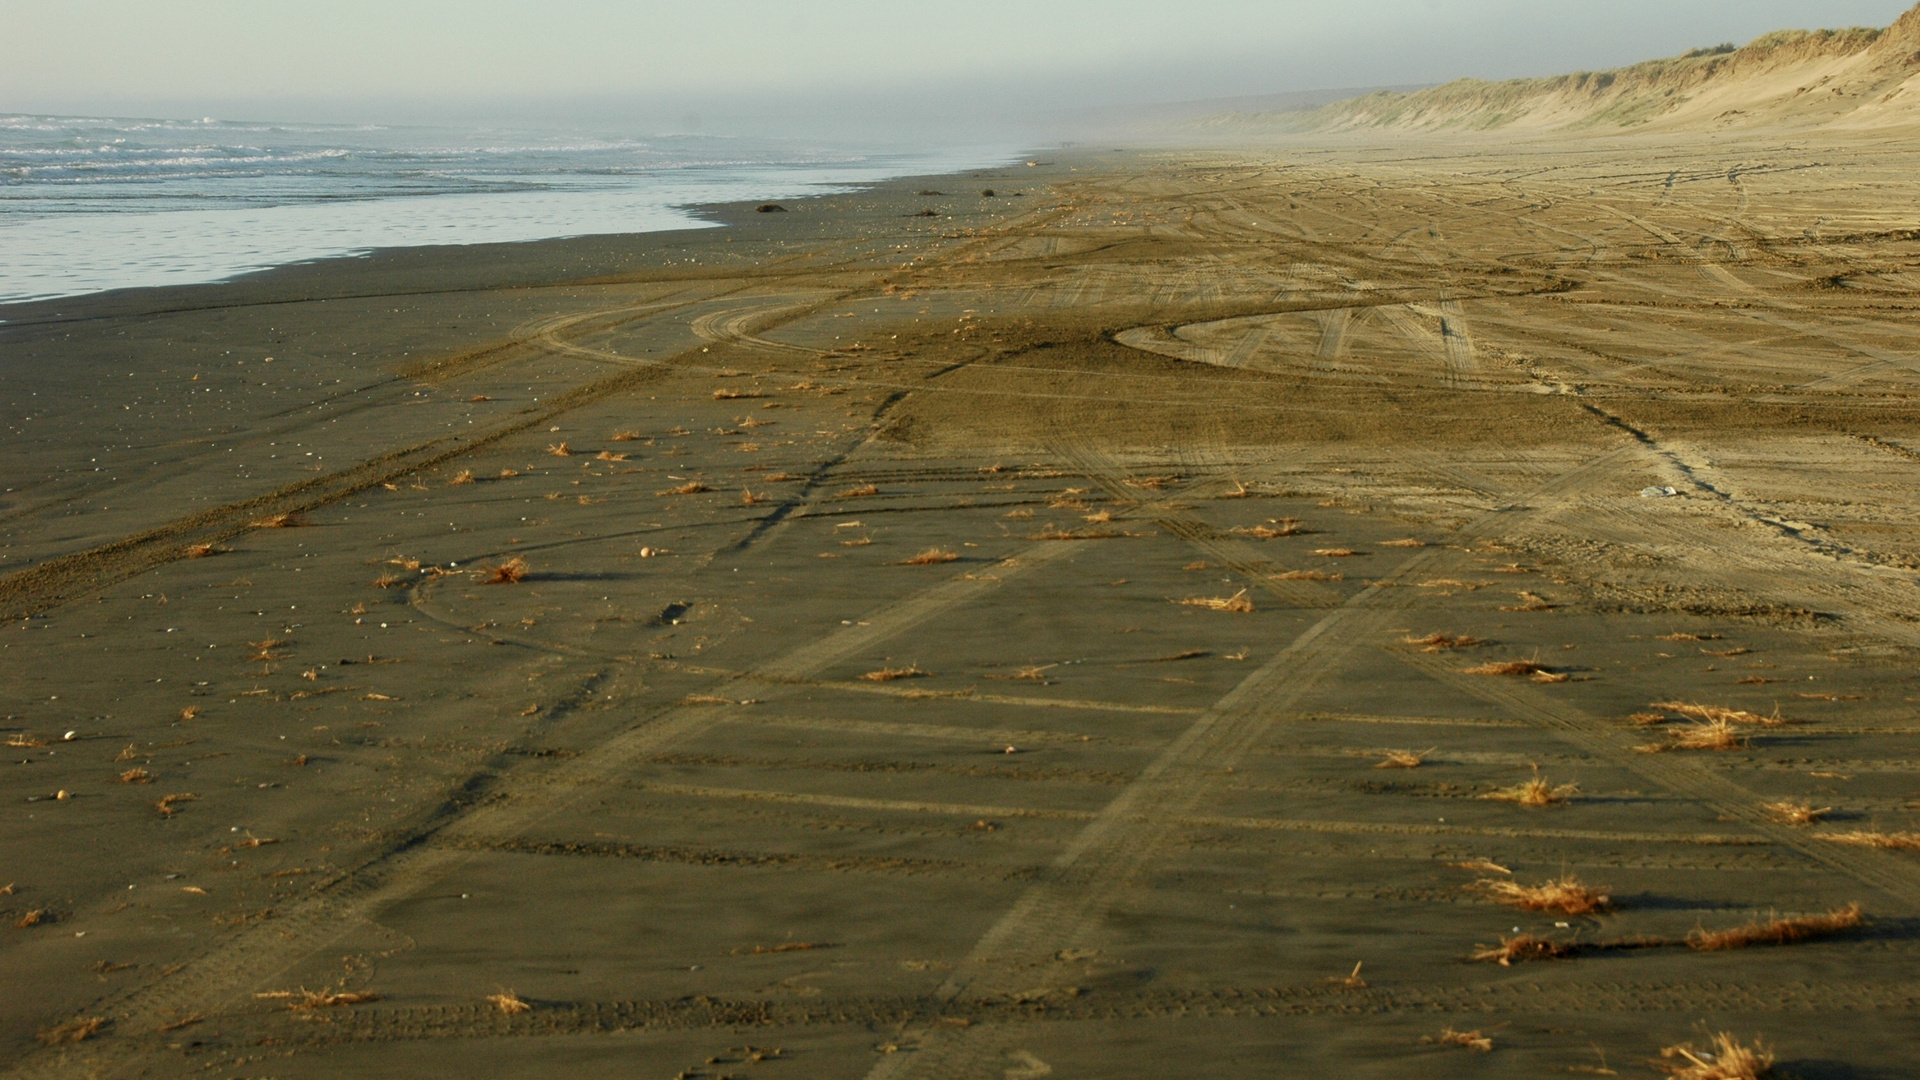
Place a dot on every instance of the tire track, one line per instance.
(1797, 569)
(1061, 909)
(1897, 878)
(219, 981)
(57, 581)
(1531, 996)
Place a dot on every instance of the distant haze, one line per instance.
(820, 67)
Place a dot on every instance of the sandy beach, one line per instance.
(1299, 612)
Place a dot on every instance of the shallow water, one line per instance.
(89, 204)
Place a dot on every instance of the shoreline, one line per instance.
(458, 278)
(714, 214)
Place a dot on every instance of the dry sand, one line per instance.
(731, 784)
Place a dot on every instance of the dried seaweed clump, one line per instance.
(1719, 714)
(1904, 841)
(1728, 1059)
(1779, 931)
(76, 1030)
(1787, 812)
(289, 520)
(1524, 947)
(891, 674)
(1439, 642)
(1465, 1040)
(1278, 528)
(1531, 601)
(1535, 792)
(509, 1002)
(1238, 602)
(1537, 671)
(1712, 735)
(304, 999)
(511, 572)
(931, 557)
(1566, 895)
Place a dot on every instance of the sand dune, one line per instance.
(1853, 78)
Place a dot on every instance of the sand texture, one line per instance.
(1163, 619)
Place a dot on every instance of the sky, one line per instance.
(732, 66)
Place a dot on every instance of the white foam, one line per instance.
(92, 204)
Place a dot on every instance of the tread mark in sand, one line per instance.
(380, 1024)
(1061, 908)
(60, 580)
(226, 974)
(1898, 878)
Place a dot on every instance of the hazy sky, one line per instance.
(716, 62)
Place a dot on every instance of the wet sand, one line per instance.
(969, 644)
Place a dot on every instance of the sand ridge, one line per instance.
(1854, 79)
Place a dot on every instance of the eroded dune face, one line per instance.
(1850, 78)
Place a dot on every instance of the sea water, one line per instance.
(89, 204)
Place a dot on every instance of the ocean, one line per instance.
(89, 204)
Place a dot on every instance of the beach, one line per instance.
(1298, 611)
